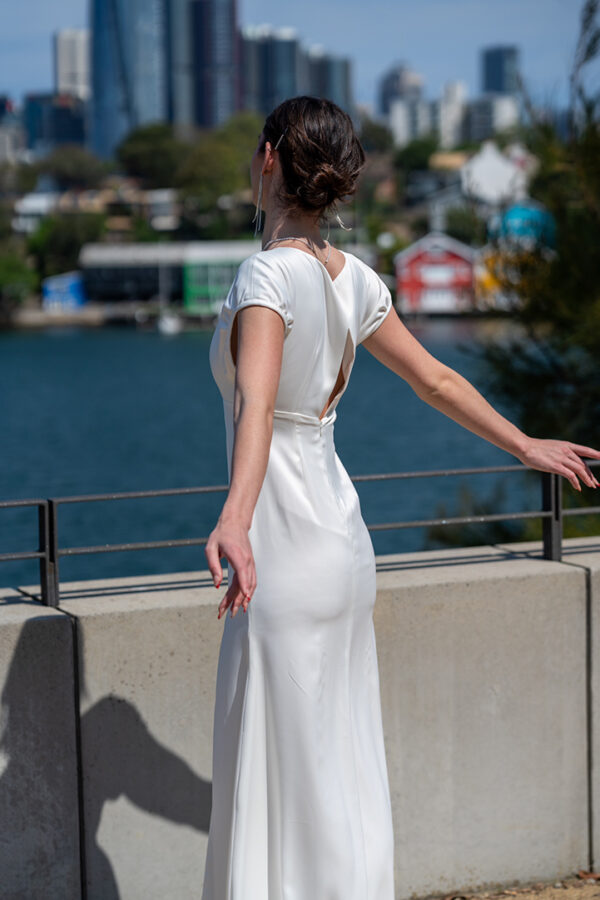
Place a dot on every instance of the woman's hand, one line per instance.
(230, 540)
(561, 457)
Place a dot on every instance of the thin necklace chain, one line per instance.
(306, 241)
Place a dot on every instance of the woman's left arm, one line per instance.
(445, 389)
(258, 367)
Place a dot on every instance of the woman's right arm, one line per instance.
(446, 390)
(258, 368)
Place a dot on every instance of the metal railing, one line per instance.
(49, 551)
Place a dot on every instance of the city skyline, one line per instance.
(448, 50)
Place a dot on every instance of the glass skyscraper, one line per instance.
(499, 70)
(180, 65)
(275, 66)
(128, 69)
(215, 42)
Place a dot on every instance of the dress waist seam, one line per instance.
(303, 418)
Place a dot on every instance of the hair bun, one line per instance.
(320, 154)
(323, 187)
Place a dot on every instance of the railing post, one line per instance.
(552, 525)
(46, 585)
(49, 562)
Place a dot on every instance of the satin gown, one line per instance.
(301, 806)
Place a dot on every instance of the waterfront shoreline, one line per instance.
(147, 315)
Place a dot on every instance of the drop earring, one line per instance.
(257, 220)
(341, 224)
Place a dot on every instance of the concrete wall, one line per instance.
(39, 839)
(489, 687)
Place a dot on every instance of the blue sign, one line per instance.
(63, 292)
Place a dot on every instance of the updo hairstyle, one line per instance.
(320, 155)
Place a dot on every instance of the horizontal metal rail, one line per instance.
(49, 550)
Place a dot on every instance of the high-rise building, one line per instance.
(215, 61)
(490, 113)
(53, 119)
(499, 70)
(6, 106)
(180, 64)
(399, 83)
(273, 67)
(72, 62)
(410, 119)
(449, 114)
(330, 77)
(128, 67)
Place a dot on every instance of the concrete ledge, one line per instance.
(148, 652)
(485, 683)
(482, 665)
(39, 837)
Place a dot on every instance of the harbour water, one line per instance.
(115, 409)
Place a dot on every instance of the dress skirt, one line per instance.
(301, 806)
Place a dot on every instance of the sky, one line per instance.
(441, 39)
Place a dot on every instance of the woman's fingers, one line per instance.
(214, 563)
(585, 451)
(584, 471)
(569, 474)
(239, 592)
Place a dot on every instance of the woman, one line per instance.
(301, 806)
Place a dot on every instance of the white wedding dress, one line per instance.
(301, 807)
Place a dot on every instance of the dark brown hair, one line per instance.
(320, 154)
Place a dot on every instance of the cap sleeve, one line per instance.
(378, 305)
(260, 283)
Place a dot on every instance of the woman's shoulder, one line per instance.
(262, 265)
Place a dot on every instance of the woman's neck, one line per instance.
(281, 226)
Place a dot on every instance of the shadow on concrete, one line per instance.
(120, 757)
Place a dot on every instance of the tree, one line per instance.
(548, 375)
(375, 137)
(415, 156)
(17, 179)
(153, 154)
(218, 167)
(72, 166)
(16, 281)
(56, 244)
(463, 223)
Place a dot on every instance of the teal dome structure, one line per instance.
(524, 223)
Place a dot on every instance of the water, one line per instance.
(120, 410)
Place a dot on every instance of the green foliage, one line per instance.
(17, 179)
(375, 137)
(463, 223)
(153, 154)
(56, 244)
(5, 220)
(17, 281)
(142, 231)
(415, 156)
(72, 166)
(243, 130)
(549, 374)
(217, 167)
(26, 177)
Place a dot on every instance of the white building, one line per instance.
(30, 209)
(449, 114)
(72, 62)
(12, 143)
(410, 119)
(492, 178)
